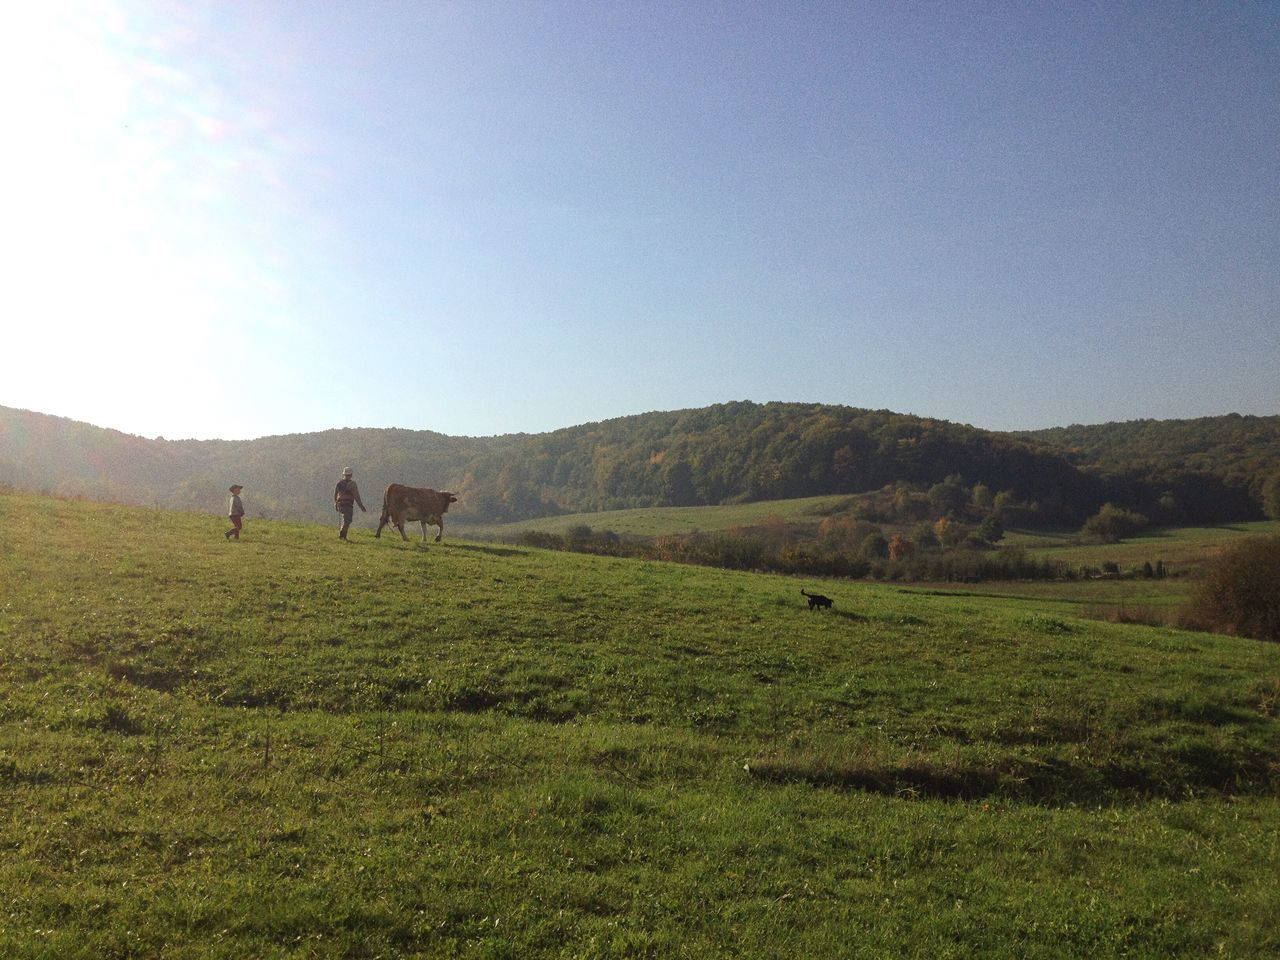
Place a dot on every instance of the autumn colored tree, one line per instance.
(900, 548)
(948, 532)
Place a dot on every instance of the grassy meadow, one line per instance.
(1183, 549)
(668, 521)
(292, 746)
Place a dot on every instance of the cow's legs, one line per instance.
(403, 535)
(424, 531)
(441, 533)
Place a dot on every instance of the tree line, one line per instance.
(725, 453)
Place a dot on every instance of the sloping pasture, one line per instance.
(296, 747)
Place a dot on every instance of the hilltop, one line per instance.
(1207, 470)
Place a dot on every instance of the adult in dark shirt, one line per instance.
(346, 497)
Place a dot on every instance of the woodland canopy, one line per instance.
(1209, 470)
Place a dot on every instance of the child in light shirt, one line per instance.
(235, 512)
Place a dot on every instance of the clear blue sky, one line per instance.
(233, 219)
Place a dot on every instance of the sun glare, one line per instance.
(122, 184)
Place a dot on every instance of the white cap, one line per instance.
(346, 471)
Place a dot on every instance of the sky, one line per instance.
(239, 219)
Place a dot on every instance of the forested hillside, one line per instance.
(733, 452)
(289, 476)
(1242, 451)
(738, 452)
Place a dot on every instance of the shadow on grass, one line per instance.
(1051, 782)
(850, 615)
(966, 594)
(160, 679)
(491, 551)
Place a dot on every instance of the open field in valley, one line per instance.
(1183, 549)
(295, 747)
(662, 521)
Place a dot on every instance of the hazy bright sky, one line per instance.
(232, 219)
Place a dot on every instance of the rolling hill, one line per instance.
(727, 453)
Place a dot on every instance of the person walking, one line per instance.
(235, 512)
(346, 497)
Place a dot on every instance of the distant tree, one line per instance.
(844, 465)
(1112, 524)
(903, 501)
(1003, 501)
(948, 496)
(677, 484)
(991, 529)
(982, 497)
(845, 532)
(874, 547)
(900, 548)
(949, 532)
(1271, 497)
(925, 536)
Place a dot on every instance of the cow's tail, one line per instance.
(386, 515)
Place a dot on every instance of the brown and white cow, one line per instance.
(401, 503)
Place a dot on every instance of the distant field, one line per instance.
(296, 747)
(659, 521)
(1183, 549)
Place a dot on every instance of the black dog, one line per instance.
(818, 600)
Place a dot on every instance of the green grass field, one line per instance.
(295, 747)
(1184, 549)
(661, 521)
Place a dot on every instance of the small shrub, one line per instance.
(578, 533)
(538, 538)
(1240, 592)
(874, 547)
(1112, 524)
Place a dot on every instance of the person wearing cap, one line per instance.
(346, 496)
(235, 512)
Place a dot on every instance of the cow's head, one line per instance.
(449, 497)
